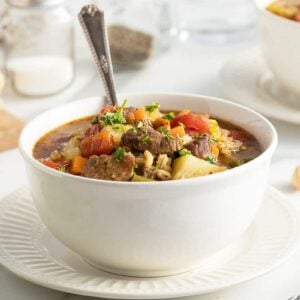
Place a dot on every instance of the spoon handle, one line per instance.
(93, 23)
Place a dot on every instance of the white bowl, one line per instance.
(149, 229)
(281, 46)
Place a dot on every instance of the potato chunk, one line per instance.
(189, 166)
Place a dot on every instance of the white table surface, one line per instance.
(186, 68)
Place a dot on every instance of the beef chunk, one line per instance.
(147, 138)
(109, 168)
(200, 147)
(94, 129)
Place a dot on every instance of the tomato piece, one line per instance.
(297, 19)
(85, 146)
(51, 164)
(56, 165)
(193, 123)
(100, 143)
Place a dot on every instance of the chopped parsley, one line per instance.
(152, 107)
(165, 132)
(93, 162)
(62, 169)
(213, 140)
(95, 120)
(119, 153)
(184, 151)
(111, 118)
(170, 116)
(146, 139)
(199, 136)
(210, 158)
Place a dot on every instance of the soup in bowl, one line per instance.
(144, 222)
(279, 34)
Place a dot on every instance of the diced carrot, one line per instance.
(184, 112)
(177, 131)
(77, 165)
(85, 146)
(162, 122)
(140, 114)
(214, 151)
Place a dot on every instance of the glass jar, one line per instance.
(137, 30)
(38, 39)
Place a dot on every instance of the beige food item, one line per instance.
(189, 166)
(296, 178)
(10, 126)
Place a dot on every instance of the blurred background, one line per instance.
(44, 54)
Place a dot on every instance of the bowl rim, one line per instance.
(185, 181)
(262, 9)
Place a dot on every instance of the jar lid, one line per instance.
(30, 3)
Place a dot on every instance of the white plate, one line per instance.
(246, 79)
(29, 251)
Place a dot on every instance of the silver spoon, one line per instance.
(93, 23)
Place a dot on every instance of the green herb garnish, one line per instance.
(184, 151)
(213, 140)
(210, 158)
(165, 132)
(95, 120)
(119, 153)
(152, 107)
(62, 169)
(170, 116)
(93, 162)
(199, 136)
(117, 117)
(146, 139)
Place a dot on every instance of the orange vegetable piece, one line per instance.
(214, 151)
(102, 143)
(77, 165)
(51, 164)
(140, 114)
(177, 131)
(162, 122)
(130, 117)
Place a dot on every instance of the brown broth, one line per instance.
(53, 139)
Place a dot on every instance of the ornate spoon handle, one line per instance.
(93, 23)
